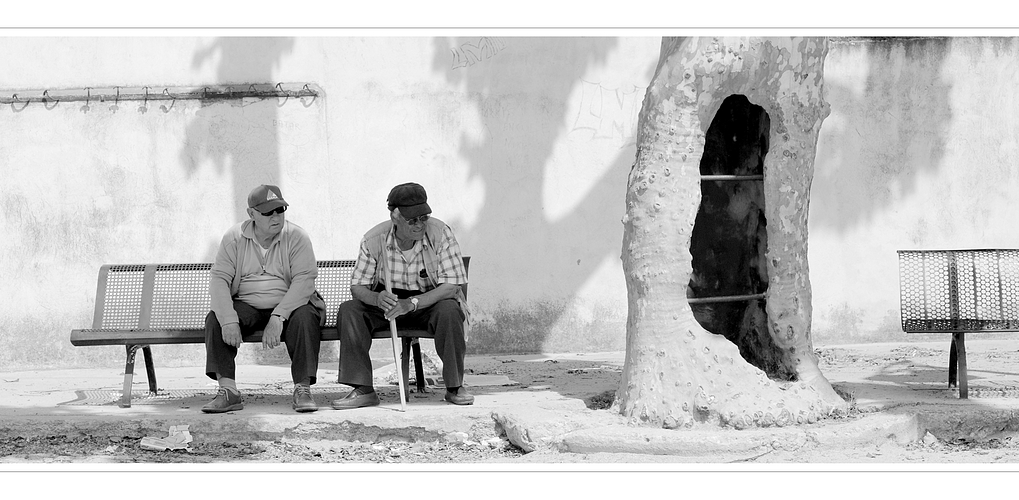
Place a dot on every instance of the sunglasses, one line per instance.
(421, 218)
(270, 213)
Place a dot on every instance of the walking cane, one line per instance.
(396, 354)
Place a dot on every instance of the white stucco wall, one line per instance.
(919, 152)
(524, 145)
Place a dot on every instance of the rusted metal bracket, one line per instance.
(163, 93)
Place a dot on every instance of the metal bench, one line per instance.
(139, 305)
(957, 292)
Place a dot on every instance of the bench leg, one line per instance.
(150, 369)
(405, 365)
(953, 364)
(125, 396)
(419, 368)
(960, 344)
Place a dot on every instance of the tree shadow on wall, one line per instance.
(521, 130)
(239, 137)
(888, 135)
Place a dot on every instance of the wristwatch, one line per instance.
(414, 300)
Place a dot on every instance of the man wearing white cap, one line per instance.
(264, 279)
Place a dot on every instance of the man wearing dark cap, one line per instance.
(418, 256)
(264, 279)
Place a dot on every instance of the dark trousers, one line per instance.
(302, 334)
(356, 320)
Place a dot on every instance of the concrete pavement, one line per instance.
(541, 402)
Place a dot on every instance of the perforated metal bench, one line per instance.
(958, 292)
(139, 305)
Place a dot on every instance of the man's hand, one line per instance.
(272, 332)
(232, 334)
(386, 300)
(403, 306)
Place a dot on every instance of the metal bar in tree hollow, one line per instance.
(759, 177)
(725, 298)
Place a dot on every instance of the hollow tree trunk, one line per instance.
(676, 373)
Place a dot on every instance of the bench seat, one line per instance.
(149, 336)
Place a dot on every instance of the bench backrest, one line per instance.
(176, 296)
(959, 290)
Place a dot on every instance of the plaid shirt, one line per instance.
(411, 275)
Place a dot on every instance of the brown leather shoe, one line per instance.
(460, 397)
(353, 399)
(303, 402)
(225, 400)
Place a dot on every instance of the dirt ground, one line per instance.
(591, 379)
(92, 449)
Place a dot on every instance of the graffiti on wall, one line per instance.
(608, 113)
(469, 54)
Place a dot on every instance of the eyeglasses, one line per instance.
(270, 213)
(421, 218)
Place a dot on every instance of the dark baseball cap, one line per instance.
(411, 199)
(265, 198)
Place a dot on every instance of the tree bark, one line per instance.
(676, 373)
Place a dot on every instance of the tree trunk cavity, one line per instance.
(732, 106)
(729, 240)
